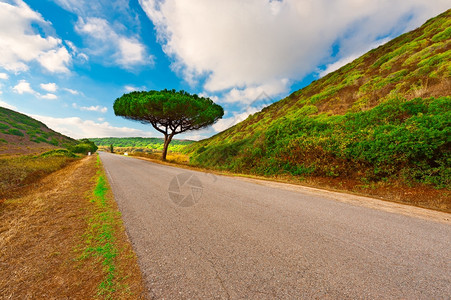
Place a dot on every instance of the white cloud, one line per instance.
(48, 96)
(7, 105)
(83, 57)
(4, 76)
(251, 94)
(23, 87)
(255, 99)
(131, 88)
(248, 44)
(75, 52)
(55, 60)
(195, 137)
(76, 127)
(49, 87)
(97, 108)
(132, 52)
(21, 43)
(104, 41)
(73, 92)
(118, 9)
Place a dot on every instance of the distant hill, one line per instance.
(21, 134)
(140, 143)
(385, 116)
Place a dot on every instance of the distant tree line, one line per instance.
(138, 142)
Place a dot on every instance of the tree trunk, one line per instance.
(167, 140)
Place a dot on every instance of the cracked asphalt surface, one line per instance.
(246, 240)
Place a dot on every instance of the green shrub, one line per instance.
(53, 142)
(441, 36)
(83, 147)
(14, 131)
(39, 139)
(409, 140)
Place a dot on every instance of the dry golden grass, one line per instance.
(25, 170)
(171, 157)
(40, 232)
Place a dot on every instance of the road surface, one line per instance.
(202, 236)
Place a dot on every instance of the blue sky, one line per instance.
(64, 62)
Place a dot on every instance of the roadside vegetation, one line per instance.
(18, 172)
(139, 144)
(407, 140)
(379, 125)
(64, 238)
(61, 234)
(104, 241)
(172, 157)
(22, 171)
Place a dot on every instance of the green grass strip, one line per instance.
(99, 239)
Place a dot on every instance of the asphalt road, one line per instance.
(228, 238)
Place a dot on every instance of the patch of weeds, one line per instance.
(328, 92)
(390, 58)
(360, 105)
(352, 78)
(442, 36)
(392, 78)
(369, 85)
(436, 59)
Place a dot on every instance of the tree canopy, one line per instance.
(168, 111)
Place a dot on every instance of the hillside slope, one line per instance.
(385, 117)
(21, 134)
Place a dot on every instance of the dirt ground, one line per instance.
(40, 233)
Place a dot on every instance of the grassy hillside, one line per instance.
(141, 143)
(385, 117)
(29, 151)
(20, 134)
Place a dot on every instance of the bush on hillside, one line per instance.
(407, 140)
